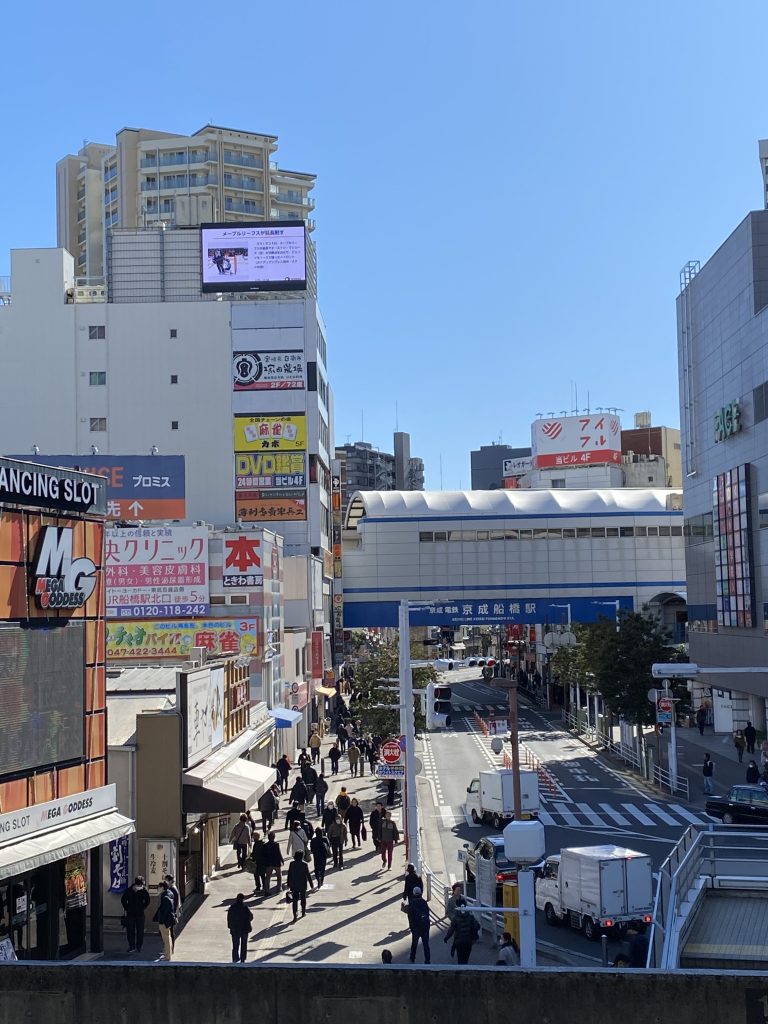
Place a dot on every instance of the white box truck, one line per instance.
(491, 797)
(596, 888)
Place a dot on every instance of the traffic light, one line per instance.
(438, 706)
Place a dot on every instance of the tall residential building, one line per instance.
(150, 178)
(722, 327)
(365, 468)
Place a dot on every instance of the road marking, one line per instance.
(449, 817)
(642, 818)
(686, 815)
(545, 817)
(355, 954)
(568, 816)
(655, 809)
(617, 817)
(468, 819)
(590, 815)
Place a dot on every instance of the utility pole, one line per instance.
(407, 724)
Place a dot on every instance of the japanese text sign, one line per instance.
(203, 705)
(268, 371)
(242, 561)
(118, 864)
(157, 572)
(150, 639)
(271, 470)
(274, 506)
(275, 433)
(576, 441)
(253, 257)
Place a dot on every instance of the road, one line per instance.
(593, 804)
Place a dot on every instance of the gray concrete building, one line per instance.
(722, 326)
(487, 465)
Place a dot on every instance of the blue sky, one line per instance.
(506, 192)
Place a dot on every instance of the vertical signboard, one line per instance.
(202, 704)
(243, 568)
(317, 653)
(270, 467)
(338, 589)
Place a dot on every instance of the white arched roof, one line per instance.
(513, 502)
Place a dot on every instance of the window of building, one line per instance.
(174, 333)
(627, 531)
(238, 599)
(482, 535)
(539, 534)
(98, 424)
(558, 483)
(511, 534)
(174, 424)
(611, 531)
(677, 531)
(598, 532)
(497, 535)
(665, 531)
(442, 535)
(525, 534)
(174, 378)
(97, 377)
(583, 533)
(653, 531)
(218, 599)
(426, 537)
(568, 533)
(554, 534)
(97, 332)
(760, 402)
(641, 531)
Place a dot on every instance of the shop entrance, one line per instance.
(44, 912)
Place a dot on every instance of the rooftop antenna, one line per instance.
(587, 403)
(563, 412)
(540, 415)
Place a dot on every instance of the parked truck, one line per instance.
(491, 797)
(596, 888)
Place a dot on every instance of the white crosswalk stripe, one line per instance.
(661, 814)
(567, 815)
(650, 815)
(617, 817)
(593, 818)
(686, 814)
(638, 814)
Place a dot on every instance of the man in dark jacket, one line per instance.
(267, 808)
(239, 918)
(334, 754)
(294, 814)
(320, 849)
(258, 857)
(418, 921)
(465, 932)
(337, 835)
(284, 770)
(329, 816)
(412, 882)
(321, 788)
(299, 880)
(375, 822)
(273, 860)
(750, 735)
(299, 792)
(135, 901)
(165, 920)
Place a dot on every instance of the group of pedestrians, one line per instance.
(135, 901)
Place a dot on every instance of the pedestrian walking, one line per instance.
(297, 841)
(299, 880)
(740, 743)
(299, 793)
(362, 745)
(638, 944)
(391, 787)
(321, 788)
(240, 837)
(334, 755)
(165, 920)
(342, 737)
(509, 953)
(708, 771)
(135, 901)
(337, 836)
(355, 819)
(374, 821)
(412, 882)
(373, 755)
(303, 757)
(295, 813)
(274, 862)
(314, 747)
(465, 931)
(329, 816)
(764, 753)
(701, 719)
(173, 889)
(258, 864)
(353, 754)
(418, 922)
(753, 773)
(350, 727)
(320, 849)
(750, 735)
(284, 770)
(343, 802)
(455, 900)
(389, 836)
(267, 806)
(239, 922)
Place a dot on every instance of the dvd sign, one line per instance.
(60, 580)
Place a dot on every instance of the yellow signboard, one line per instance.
(275, 433)
(153, 639)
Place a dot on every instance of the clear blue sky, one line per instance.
(506, 192)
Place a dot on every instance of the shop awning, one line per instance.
(58, 843)
(285, 718)
(326, 691)
(232, 789)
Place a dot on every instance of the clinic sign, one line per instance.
(25, 483)
(727, 421)
(57, 813)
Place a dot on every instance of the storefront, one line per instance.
(56, 809)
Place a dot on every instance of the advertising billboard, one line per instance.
(269, 256)
(202, 701)
(516, 467)
(157, 572)
(42, 696)
(268, 371)
(271, 470)
(576, 441)
(151, 639)
(271, 506)
(242, 561)
(138, 486)
(276, 433)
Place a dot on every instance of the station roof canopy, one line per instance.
(508, 504)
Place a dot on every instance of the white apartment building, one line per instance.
(149, 178)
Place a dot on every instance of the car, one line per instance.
(490, 848)
(741, 805)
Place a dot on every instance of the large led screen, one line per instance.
(42, 697)
(269, 256)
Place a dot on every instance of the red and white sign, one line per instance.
(242, 561)
(576, 441)
(157, 572)
(317, 653)
(390, 752)
(666, 704)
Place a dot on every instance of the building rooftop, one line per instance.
(156, 679)
(122, 712)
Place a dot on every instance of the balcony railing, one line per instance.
(255, 209)
(110, 173)
(242, 159)
(80, 194)
(247, 184)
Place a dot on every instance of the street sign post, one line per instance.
(390, 771)
(664, 708)
(391, 752)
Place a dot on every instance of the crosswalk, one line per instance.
(481, 709)
(646, 814)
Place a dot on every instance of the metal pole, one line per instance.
(514, 743)
(672, 749)
(410, 809)
(527, 917)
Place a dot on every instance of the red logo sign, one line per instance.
(666, 704)
(390, 752)
(241, 553)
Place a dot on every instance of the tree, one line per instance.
(375, 677)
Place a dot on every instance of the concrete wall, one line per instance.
(105, 993)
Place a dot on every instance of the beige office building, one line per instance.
(152, 179)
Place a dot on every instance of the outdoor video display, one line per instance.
(42, 696)
(269, 256)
